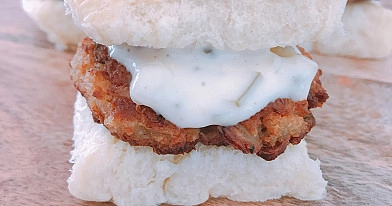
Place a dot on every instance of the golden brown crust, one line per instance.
(317, 94)
(105, 85)
(269, 131)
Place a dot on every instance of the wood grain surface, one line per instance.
(353, 138)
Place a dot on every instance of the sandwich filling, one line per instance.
(105, 83)
(198, 87)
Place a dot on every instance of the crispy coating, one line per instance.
(317, 94)
(105, 85)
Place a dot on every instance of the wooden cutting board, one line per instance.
(353, 138)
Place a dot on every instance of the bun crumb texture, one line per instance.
(235, 25)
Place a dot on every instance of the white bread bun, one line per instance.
(106, 169)
(223, 24)
(50, 17)
(368, 32)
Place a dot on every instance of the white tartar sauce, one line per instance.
(197, 87)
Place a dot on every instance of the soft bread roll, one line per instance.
(106, 169)
(368, 32)
(50, 17)
(224, 24)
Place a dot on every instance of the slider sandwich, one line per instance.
(50, 18)
(180, 101)
(367, 32)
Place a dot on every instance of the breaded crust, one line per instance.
(105, 85)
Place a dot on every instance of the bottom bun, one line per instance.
(107, 169)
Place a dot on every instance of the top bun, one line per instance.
(223, 24)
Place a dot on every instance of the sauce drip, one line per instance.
(197, 87)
